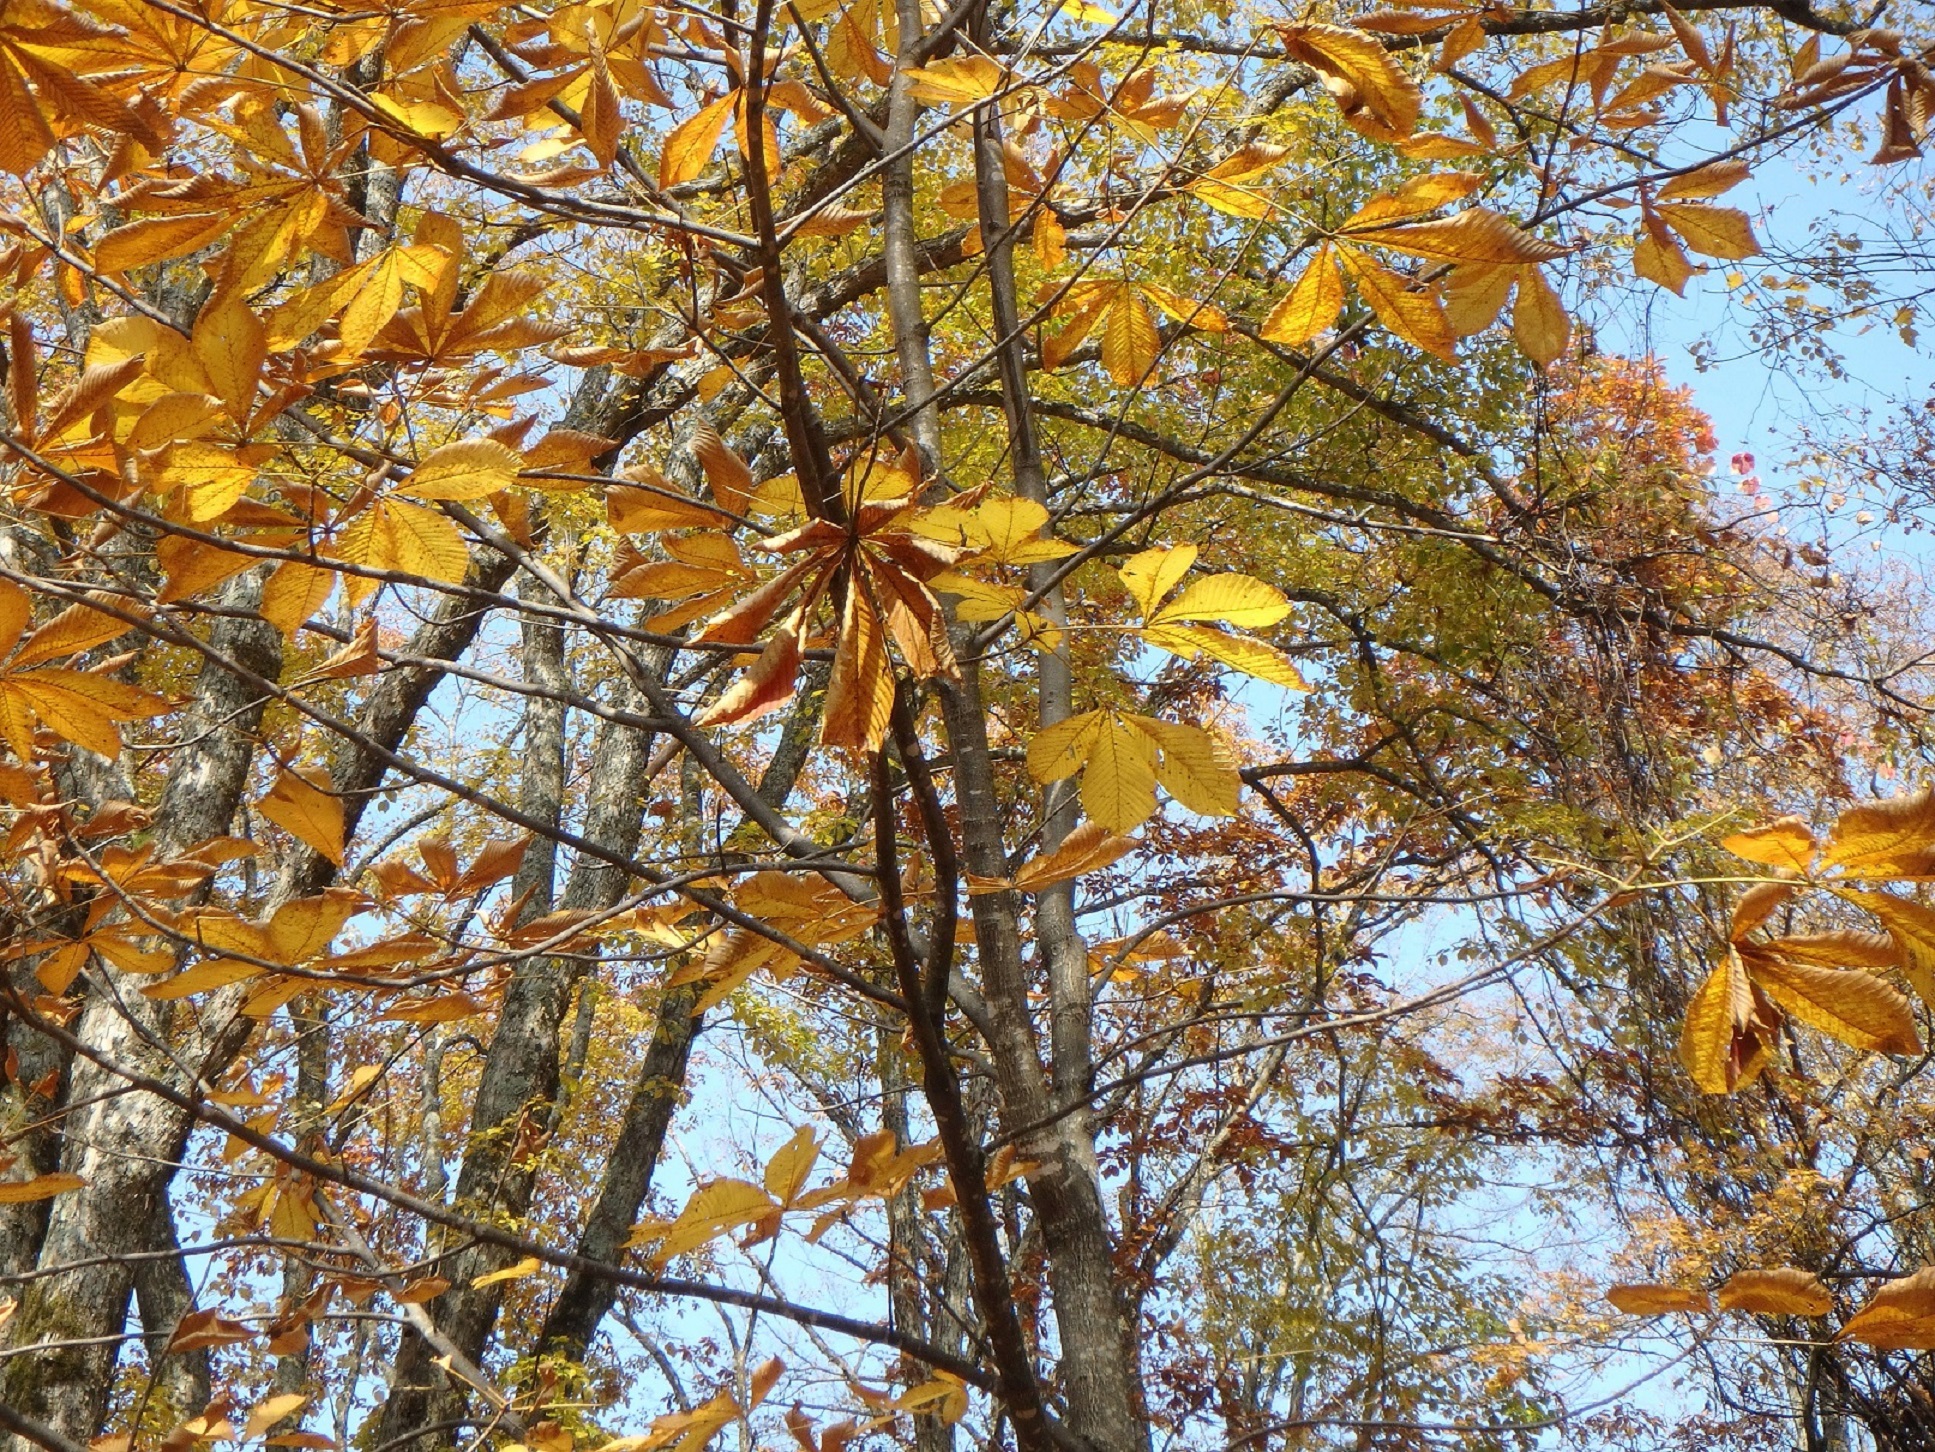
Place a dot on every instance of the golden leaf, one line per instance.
(468, 469)
(1416, 317)
(306, 810)
(1358, 72)
(689, 146)
(1756, 905)
(726, 473)
(1089, 848)
(1152, 574)
(1539, 322)
(860, 690)
(1854, 1006)
(1130, 342)
(1706, 181)
(40, 1187)
(792, 1162)
(1658, 258)
(1196, 766)
(274, 1410)
(1655, 1300)
(1726, 1039)
(1787, 843)
(1900, 1316)
(529, 1266)
(1417, 196)
(1893, 838)
(1474, 235)
(1912, 926)
(1310, 306)
(1722, 232)
(964, 80)
(1788, 1291)
(393, 534)
(1231, 599)
(155, 239)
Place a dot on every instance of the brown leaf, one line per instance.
(1854, 1006)
(1900, 1316)
(1656, 1300)
(1788, 1291)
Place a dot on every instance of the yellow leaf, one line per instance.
(274, 1410)
(1658, 258)
(1756, 905)
(1232, 599)
(212, 478)
(424, 118)
(40, 1187)
(1707, 181)
(1788, 1291)
(468, 469)
(1900, 1316)
(529, 1266)
(966, 80)
(420, 1290)
(1130, 343)
(1721, 232)
(1196, 766)
(77, 706)
(726, 473)
(689, 146)
(192, 567)
(1539, 322)
(1724, 1041)
(1119, 778)
(407, 538)
(1473, 235)
(1854, 1006)
(1418, 318)
(1912, 926)
(1839, 948)
(75, 629)
(632, 510)
(379, 293)
(860, 690)
(1652, 1300)
(1199, 315)
(293, 593)
(299, 805)
(216, 973)
(1787, 844)
(1419, 195)
(1358, 71)
(231, 346)
(1310, 306)
(175, 418)
(156, 239)
(599, 120)
(1476, 293)
(1152, 574)
(1058, 751)
(713, 1210)
(1089, 848)
(303, 927)
(791, 1163)
(1245, 653)
(1894, 838)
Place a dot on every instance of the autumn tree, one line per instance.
(711, 711)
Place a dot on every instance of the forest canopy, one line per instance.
(869, 722)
